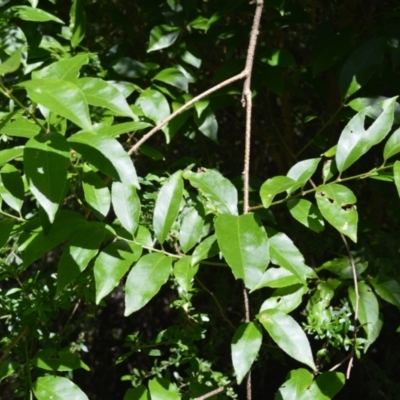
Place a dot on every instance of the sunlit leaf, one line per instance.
(32, 14)
(206, 249)
(273, 186)
(173, 77)
(307, 214)
(77, 22)
(12, 63)
(163, 36)
(191, 229)
(392, 146)
(285, 299)
(184, 272)
(57, 388)
(11, 187)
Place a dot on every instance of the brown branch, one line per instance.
(353, 267)
(214, 392)
(148, 135)
(14, 343)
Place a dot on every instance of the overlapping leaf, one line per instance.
(57, 388)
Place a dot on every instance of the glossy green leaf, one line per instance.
(173, 77)
(118, 129)
(32, 14)
(288, 335)
(207, 124)
(387, 288)
(294, 388)
(368, 310)
(392, 146)
(61, 97)
(107, 155)
(191, 229)
(11, 187)
(96, 193)
(12, 63)
(112, 264)
(218, 190)
(77, 22)
(206, 249)
(245, 346)
(126, 205)
(285, 299)
(46, 161)
(337, 205)
(163, 36)
(6, 226)
(103, 94)
(342, 267)
(154, 105)
(163, 389)
(57, 388)
(10, 154)
(307, 214)
(139, 393)
(302, 171)
(360, 66)
(396, 175)
(66, 69)
(21, 128)
(129, 68)
(355, 140)
(50, 360)
(143, 237)
(244, 245)
(285, 254)
(167, 205)
(39, 243)
(277, 278)
(373, 106)
(273, 186)
(329, 170)
(325, 387)
(184, 272)
(145, 280)
(82, 247)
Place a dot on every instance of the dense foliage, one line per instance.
(132, 266)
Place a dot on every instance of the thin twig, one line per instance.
(221, 310)
(14, 343)
(214, 392)
(353, 267)
(70, 317)
(341, 362)
(148, 135)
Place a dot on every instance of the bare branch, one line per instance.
(214, 392)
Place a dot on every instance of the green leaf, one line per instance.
(82, 247)
(392, 146)
(173, 77)
(130, 68)
(245, 346)
(294, 388)
(118, 129)
(32, 14)
(126, 205)
(191, 229)
(285, 254)
(46, 161)
(277, 278)
(360, 66)
(9, 154)
(6, 226)
(12, 63)
(307, 214)
(163, 389)
(336, 203)
(244, 245)
(107, 155)
(218, 190)
(184, 272)
(273, 186)
(396, 175)
(342, 267)
(167, 205)
(387, 288)
(103, 94)
(302, 171)
(139, 393)
(373, 105)
(57, 388)
(7, 369)
(96, 192)
(77, 24)
(163, 36)
(21, 128)
(206, 249)
(355, 140)
(154, 105)
(61, 97)
(112, 264)
(11, 187)
(368, 310)
(288, 335)
(325, 387)
(285, 299)
(145, 280)
(50, 360)
(65, 69)
(207, 124)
